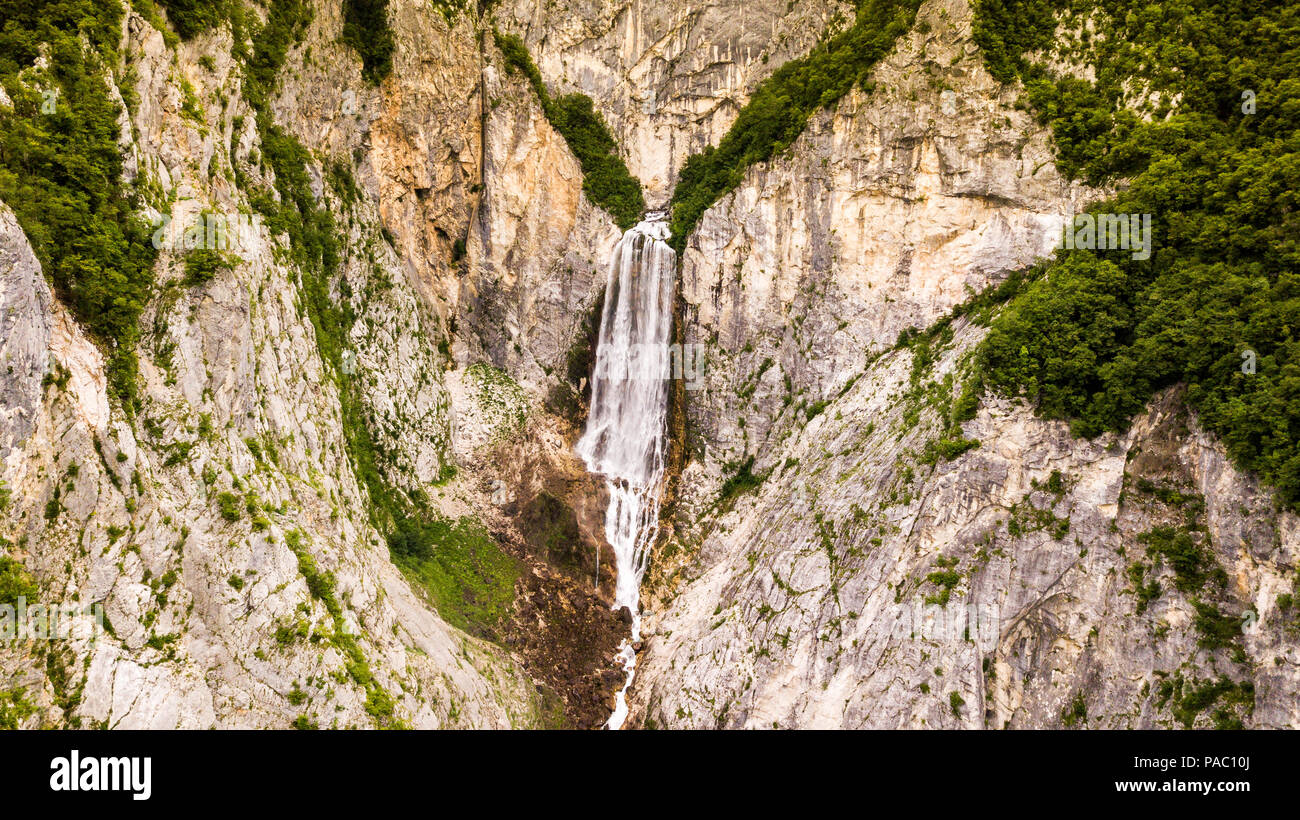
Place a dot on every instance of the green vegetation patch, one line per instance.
(202, 265)
(15, 582)
(742, 480)
(1193, 565)
(946, 578)
(1144, 591)
(470, 579)
(1076, 713)
(955, 703)
(605, 178)
(1211, 149)
(14, 708)
(781, 105)
(61, 170)
(365, 28)
(193, 17)
(1188, 699)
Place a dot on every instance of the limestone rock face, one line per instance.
(669, 77)
(25, 330)
(212, 622)
(864, 585)
(199, 521)
(884, 214)
(833, 594)
(536, 259)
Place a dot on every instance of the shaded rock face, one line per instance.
(869, 581)
(537, 251)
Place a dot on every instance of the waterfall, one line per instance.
(626, 436)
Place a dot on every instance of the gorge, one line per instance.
(408, 448)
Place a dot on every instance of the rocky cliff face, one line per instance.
(203, 523)
(669, 77)
(886, 213)
(870, 581)
(865, 584)
(831, 556)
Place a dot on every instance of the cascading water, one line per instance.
(625, 439)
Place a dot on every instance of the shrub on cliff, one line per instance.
(365, 28)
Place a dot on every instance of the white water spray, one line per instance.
(626, 434)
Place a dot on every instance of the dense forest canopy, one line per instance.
(1195, 114)
(61, 168)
